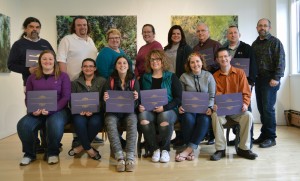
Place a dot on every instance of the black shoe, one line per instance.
(258, 141)
(267, 143)
(98, 140)
(231, 143)
(246, 154)
(97, 156)
(211, 142)
(217, 155)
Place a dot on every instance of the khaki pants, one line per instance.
(245, 121)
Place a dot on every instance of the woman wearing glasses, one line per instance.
(87, 124)
(107, 56)
(160, 120)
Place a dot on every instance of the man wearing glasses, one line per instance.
(270, 59)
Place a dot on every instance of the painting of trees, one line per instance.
(218, 26)
(100, 25)
(4, 42)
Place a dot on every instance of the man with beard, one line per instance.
(270, 59)
(73, 49)
(29, 40)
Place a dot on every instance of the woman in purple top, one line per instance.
(148, 33)
(46, 77)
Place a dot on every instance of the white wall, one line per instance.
(156, 12)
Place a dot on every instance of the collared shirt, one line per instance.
(232, 49)
(234, 82)
(270, 57)
(72, 50)
(31, 39)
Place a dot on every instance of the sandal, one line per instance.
(97, 155)
(130, 165)
(180, 158)
(121, 165)
(191, 156)
(72, 152)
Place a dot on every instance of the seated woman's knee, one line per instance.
(144, 122)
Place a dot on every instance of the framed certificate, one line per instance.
(154, 98)
(195, 102)
(120, 101)
(85, 101)
(229, 104)
(242, 63)
(208, 54)
(46, 99)
(32, 57)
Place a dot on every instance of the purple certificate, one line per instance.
(208, 54)
(46, 99)
(32, 57)
(120, 102)
(195, 102)
(154, 98)
(242, 63)
(229, 104)
(85, 101)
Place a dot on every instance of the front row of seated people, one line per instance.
(156, 126)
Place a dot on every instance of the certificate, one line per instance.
(242, 63)
(32, 57)
(208, 54)
(195, 102)
(84, 102)
(229, 104)
(120, 102)
(154, 98)
(46, 99)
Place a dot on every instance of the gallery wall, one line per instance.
(156, 12)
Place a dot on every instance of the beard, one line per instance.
(263, 33)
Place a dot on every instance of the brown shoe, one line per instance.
(246, 154)
(217, 155)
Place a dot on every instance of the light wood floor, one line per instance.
(281, 162)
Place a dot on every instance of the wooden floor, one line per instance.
(281, 162)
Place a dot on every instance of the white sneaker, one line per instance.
(165, 157)
(52, 160)
(25, 161)
(156, 155)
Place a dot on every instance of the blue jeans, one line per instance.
(164, 132)
(87, 128)
(266, 99)
(194, 127)
(54, 124)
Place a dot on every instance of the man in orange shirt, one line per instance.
(232, 80)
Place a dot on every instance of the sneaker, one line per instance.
(156, 156)
(52, 160)
(165, 157)
(121, 166)
(26, 161)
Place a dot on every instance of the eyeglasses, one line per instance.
(114, 38)
(88, 66)
(155, 59)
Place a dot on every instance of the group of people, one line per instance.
(177, 67)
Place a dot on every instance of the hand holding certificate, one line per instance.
(84, 102)
(229, 104)
(120, 102)
(195, 102)
(41, 100)
(154, 98)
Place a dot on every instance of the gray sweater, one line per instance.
(204, 82)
